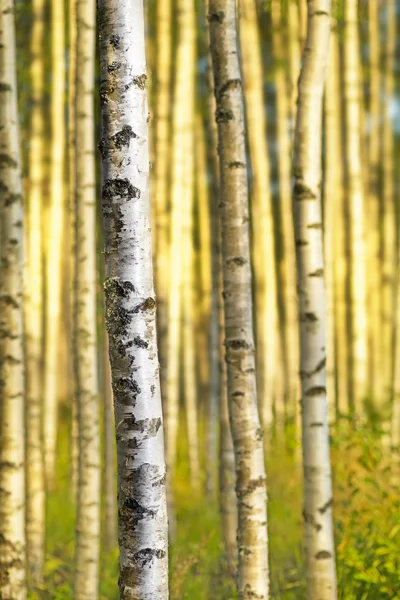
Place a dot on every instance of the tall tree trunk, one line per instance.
(319, 542)
(35, 496)
(12, 371)
(253, 580)
(85, 323)
(130, 303)
(110, 512)
(373, 225)
(162, 143)
(291, 339)
(355, 199)
(265, 269)
(294, 55)
(183, 123)
(389, 224)
(54, 234)
(303, 22)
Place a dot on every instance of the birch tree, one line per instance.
(12, 375)
(85, 335)
(35, 496)
(319, 543)
(239, 341)
(130, 302)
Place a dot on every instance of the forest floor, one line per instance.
(367, 529)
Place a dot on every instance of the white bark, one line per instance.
(253, 580)
(130, 303)
(319, 543)
(12, 432)
(85, 322)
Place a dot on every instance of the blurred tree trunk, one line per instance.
(161, 176)
(303, 22)
(355, 199)
(188, 318)
(319, 542)
(253, 579)
(288, 277)
(54, 235)
(130, 303)
(294, 48)
(110, 490)
(373, 232)
(85, 322)
(183, 125)
(389, 217)
(265, 269)
(35, 490)
(12, 433)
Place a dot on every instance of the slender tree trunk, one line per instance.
(162, 143)
(130, 303)
(35, 491)
(389, 224)
(265, 269)
(373, 222)
(72, 193)
(319, 542)
(291, 339)
(183, 123)
(188, 323)
(303, 22)
(12, 372)
(54, 234)
(253, 580)
(110, 490)
(85, 334)
(355, 199)
(294, 55)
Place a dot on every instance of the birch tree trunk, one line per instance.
(354, 192)
(130, 303)
(288, 278)
(319, 542)
(162, 141)
(390, 219)
(373, 203)
(183, 124)
(253, 578)
(12, 371)
(54, 234)
(110, 490)
(35, 492)
(265, 268)
(85, 323)
(294, 56)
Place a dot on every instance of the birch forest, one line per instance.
(199, 299)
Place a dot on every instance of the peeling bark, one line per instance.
(131, 306)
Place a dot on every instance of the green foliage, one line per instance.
(367, 524)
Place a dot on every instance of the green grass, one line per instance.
(367, 528)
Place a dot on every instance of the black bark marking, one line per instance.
(239, 261)
(147, 555)
(237, 345)
(5, 87)
(147, 304)
(303, 192)
(122, 138)
(237, 394)
(216, 17)
(325, 507)
(139, 343)
(316, 425)
(7, 161)
(140, 81)
(119, 188)
(126, 391)
(236, 164)
(319, 367)
(118, 288)
(309, 519)
(323, 555)
(315, 226)
(132, 512)
(310, 317)
(231, 84)
(316, 391)
(223, 115)
(301, 243)
(321, 13)
(317, 273)
(9, 300)
(251, 486)
(115, 41)
(148, 426)
(114, 66)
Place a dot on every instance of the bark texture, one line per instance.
(85, 322)
(130, 303)
(253, 581)
(319, 543)
(110, 490)
(12, 372)
(54, 234)
(35, 491)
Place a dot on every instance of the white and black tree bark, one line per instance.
(319, 543)
(253, 580)
(130, 302)
(12, 429)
